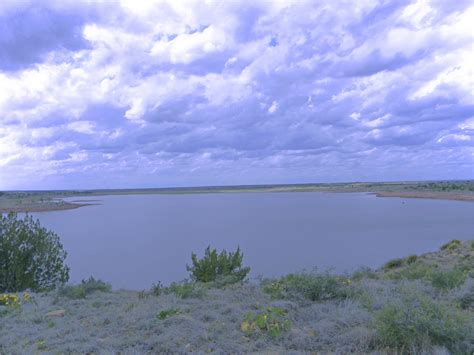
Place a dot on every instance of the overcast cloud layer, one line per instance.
(173, 93)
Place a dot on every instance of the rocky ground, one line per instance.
(418, 304)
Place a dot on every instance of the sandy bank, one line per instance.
(427, 195)
(43, 207)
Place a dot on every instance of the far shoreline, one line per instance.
(46, 207)
(428, 196)
(47, 201)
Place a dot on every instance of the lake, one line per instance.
(133, 241)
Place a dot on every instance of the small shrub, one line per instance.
(472, 244)
(168, 313)
(41, 345)
(91, 285)
(366, 300)
(274, 288)
(73, 292)
(186, 290)
(27, 298)
(10, 300)
(414, 322)
(214, 265)
(272, 321)
(413, 271)
(362, 273)
(394, 263)
(411, 259)
(85, 288)
(157, 289)
(315, 287)
(447, 280)
(452, 245)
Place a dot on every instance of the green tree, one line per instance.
(31, 257)
(214, 266)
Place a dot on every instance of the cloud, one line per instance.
(162, 93)
(30, 31)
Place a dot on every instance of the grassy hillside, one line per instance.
(413, 305)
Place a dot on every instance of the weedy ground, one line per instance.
(421, 304)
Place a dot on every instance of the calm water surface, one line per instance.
(136, 240)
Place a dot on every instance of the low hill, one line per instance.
(419, 304)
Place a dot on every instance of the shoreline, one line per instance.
(428, 195)
(33, 207)
(44, 208)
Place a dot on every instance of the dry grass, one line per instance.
(372, 318)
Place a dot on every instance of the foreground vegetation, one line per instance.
(31, 257)
(418, 304)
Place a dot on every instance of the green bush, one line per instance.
(167, 313)
(315, 287)
(186, 290)
(272, 321)
(413, 271)
(31, 257)
(452, 245)
(394, 263)
(398, 263)
(86, 287)
(276, 289)
(415, 322)
(214, 266)
(157, 289)
(443, 280)
(73, 292)
(447, 280)
(91, 285)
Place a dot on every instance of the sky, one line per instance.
(190, 93)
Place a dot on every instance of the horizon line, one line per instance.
(243, 185)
